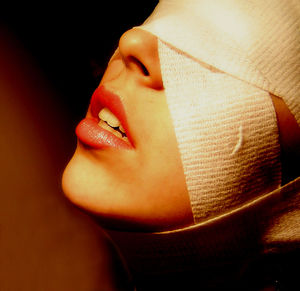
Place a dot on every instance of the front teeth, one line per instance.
(106, 115)
(104, 125)
(121, 128)
(111, 123)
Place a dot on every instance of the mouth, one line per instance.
(106, 123)
(111, 123)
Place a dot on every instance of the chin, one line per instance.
(125, 196)
(75, 182)
(70, 182)
(93, 188)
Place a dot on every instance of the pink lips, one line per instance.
(91, 134)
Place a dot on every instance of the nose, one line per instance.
(139, 52)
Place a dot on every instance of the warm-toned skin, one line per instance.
(143, 188)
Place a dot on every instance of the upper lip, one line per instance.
(103, 97)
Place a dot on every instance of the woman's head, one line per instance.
(201, 127)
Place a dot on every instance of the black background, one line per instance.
(72, 43)
(52, 57)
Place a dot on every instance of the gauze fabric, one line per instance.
(255, 41)
(224, 119)
(226, 131)
(219, 59)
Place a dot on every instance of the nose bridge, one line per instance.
(139, 52)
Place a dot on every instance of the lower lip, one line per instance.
(91, 134)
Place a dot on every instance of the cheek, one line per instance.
(161, 169)
(165, 192)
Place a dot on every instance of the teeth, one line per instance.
(111, 123)
(106, 115)
(121, 128)
(104, 125)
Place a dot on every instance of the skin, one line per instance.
(144, 188)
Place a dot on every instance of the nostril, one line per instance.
(142, 68)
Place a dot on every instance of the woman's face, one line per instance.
(134, 181)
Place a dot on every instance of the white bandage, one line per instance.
(255, 41)
(226, 131)
(219, 59)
